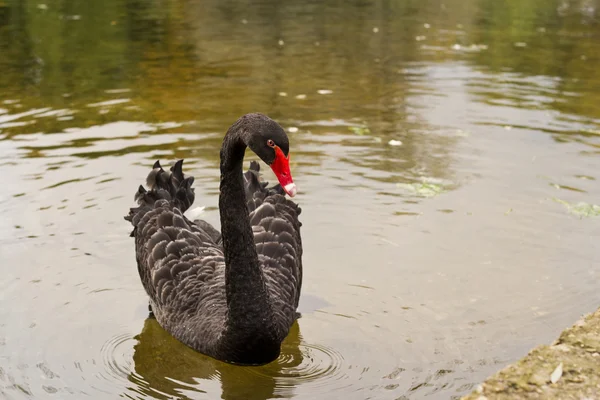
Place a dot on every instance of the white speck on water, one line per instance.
(281, 42)
(420, 38)
(395, 142)
(114, 91)
(324, 91)
(375, 29)
(10, 101)
(541, 29)
(426, 25)
(520, 44)
(471, 48)
(390, 242)
(74, 17)
(42, 6)
(507, 127)
(292, 129)
(108, 103)
(244, 21)
(301, 96)
(283, 94)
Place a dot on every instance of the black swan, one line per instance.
(232, 296)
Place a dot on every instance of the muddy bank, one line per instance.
(567, 369)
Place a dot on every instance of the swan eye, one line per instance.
(270, 143)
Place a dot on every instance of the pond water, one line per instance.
(447, 155)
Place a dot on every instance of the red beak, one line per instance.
(281, 168)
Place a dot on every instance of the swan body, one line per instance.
(233, 294)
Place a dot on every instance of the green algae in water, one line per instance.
(580, 209)
(359, 130)
(423, 189)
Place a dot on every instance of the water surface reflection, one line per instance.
(442, 149)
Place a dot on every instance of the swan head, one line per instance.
(269, 141)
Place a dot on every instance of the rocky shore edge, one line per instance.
(567, 369)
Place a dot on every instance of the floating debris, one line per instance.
(244, 21)
(469, 49)
(424, 189)
(580, 209)
(420, 38)
(42, 6)
(324, 91)
(426, 25)
(520, 44)
(375, 29)
(395, 143)
(301, 96)
(359, 130)
(109, 103)
(281, 42)
(283, 94)
(116, 91)
(292, 129)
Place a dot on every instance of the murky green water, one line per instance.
(441, 148)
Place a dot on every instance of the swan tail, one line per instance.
(172, 186)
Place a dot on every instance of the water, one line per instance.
(430, 262)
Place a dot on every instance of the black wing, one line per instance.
(274, 220)
(181, 267)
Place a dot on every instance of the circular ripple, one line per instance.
(116, 356)
(319, 367)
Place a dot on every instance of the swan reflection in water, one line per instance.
(165, 368)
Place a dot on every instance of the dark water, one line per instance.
(447, 155)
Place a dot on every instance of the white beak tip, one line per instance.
(290, 189)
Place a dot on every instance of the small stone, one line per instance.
(555, 376)
(563, 348)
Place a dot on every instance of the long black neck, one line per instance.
(247, 299)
